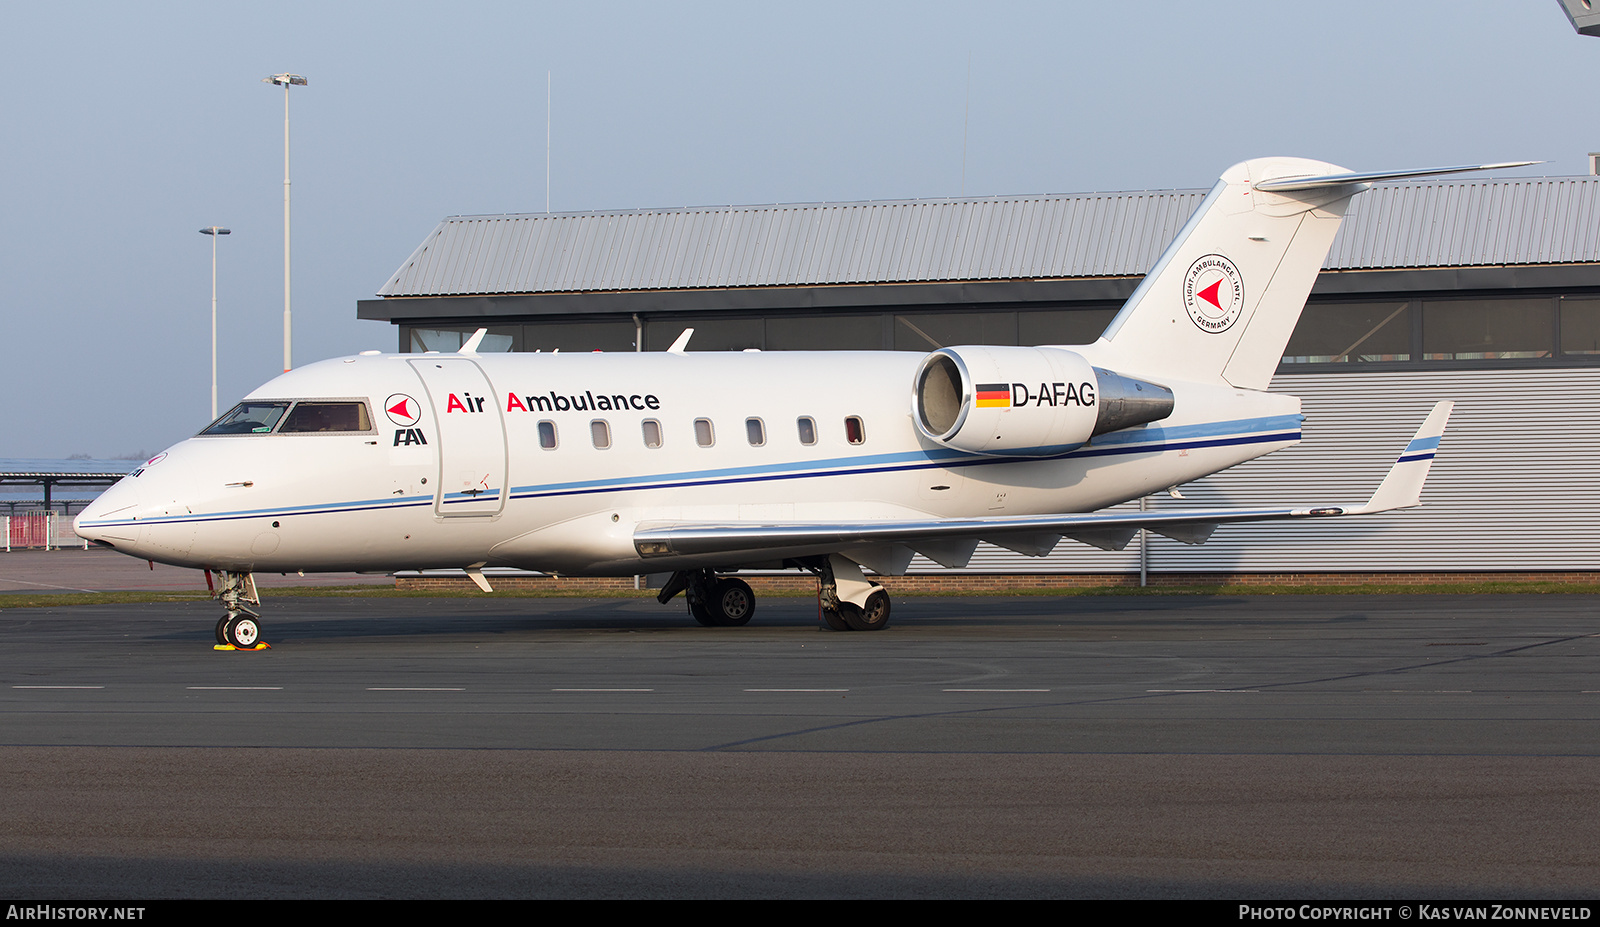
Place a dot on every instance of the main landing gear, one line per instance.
(846, 600)
(240, 628)
(714, 602)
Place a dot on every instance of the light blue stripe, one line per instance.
(1423, 444)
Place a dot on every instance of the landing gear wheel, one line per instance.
(732, 603)
(222, 629)
(243, 632)
(832, 618)
(875, 617)
(702, 614)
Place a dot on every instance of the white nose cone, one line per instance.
(110, 518)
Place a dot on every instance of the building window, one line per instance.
(1351, 333)
(499, 339)
(807, 427)
(547, 435)
(652, 433)
(854, 431)
(1580, 326)
(703, 434)
(1487, 329)
(600, 433)
(756, 431)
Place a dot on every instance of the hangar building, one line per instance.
(1482, 291)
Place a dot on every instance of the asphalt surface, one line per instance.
(1399, 747)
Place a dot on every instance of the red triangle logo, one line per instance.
(399, 408)
(1209, 294)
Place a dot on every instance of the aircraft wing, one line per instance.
(950, 541)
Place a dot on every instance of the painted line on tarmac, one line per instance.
(58, 687)
(797, 690)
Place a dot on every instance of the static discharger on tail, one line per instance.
(693, 466)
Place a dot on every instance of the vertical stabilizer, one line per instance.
(1221, 303)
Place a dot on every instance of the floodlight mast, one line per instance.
(285, 81)
(214, 231)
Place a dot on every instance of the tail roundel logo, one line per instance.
(402, 409)
(1213, 292)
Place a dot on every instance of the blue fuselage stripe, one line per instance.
(1154, 440)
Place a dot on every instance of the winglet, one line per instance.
(471, 347)
(1402, 488)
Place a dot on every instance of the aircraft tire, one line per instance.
(733, 603)
(701, 614)
(875, 617)
(832, 618)
(243, 632)
(222, 629)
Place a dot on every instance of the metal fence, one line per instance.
(45, 530)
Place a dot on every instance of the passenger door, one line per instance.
(472, 436)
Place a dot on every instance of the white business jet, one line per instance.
(697, 465)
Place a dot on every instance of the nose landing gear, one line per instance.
(240, 628)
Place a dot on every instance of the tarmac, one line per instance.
(1191, 747)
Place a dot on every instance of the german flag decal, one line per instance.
(994, 395)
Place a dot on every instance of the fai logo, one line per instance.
(402, 409)
(1213, 292)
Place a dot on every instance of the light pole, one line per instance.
(286, 80)
(214, 231)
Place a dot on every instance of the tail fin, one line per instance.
(1221, 303)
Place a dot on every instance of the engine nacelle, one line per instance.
(1026, 402)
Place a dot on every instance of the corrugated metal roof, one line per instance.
(1427, 224)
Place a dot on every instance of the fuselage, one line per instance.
(550, 461)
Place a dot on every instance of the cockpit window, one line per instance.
(249, 418)
(326, 416)
(262, 417)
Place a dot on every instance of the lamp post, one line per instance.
(214, 231)
(286, 81)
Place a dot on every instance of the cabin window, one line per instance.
(854, 431)
(703, 435)
(652, 433)
(756, 431)
(318, 417)
(248, 418)
(600, 433)
(808, 430)
(547, 435)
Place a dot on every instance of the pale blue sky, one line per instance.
(129, 127)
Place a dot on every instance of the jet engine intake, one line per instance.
(1026, 401)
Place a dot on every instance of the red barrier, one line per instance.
(30, 530)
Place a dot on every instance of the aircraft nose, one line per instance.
(110, 518)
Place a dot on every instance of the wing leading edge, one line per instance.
(950, 541)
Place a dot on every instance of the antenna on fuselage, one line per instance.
(679, 346)
(471, 347)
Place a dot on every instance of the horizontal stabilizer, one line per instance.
(1290, 184)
